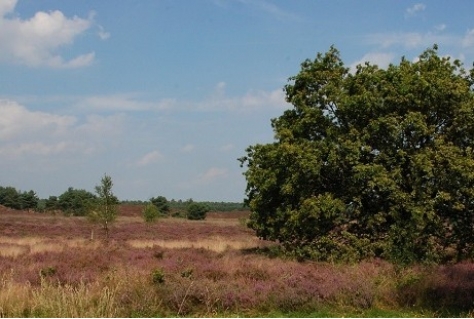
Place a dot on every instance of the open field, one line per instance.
(55, 266)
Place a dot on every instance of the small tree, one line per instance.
(105, 210)
(150, 213)
(197, 211)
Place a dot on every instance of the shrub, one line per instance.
(197, 211)
(162, 204)
(158, 276)
(150, 213)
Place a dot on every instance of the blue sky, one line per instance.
(164, 96)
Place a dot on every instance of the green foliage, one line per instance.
(51, 203)
(12, 198)
(158, 276)
(162, 204)
(105, 210)
(28, 200)
(378, 162)
(213, 206)
(150, 213)
(76, 202)
(196, 211)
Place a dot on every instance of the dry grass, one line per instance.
(50, 300)
(216, 243)
(14, 247)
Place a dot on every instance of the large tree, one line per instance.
(373, 162)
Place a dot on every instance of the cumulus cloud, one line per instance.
(16, 120)
(150, 158)
(36, 41)
(24, 132)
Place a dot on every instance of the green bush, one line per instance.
(158, 276)
(197, 211)
(150, 213)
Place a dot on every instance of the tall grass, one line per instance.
(50, 300)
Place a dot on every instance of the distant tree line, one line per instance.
(13, 198)
(183, 204)
(78, 202)
(74, 202)
(213, 206)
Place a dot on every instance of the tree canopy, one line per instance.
(373, 162)
(76, 202)
(12, 198)
(162, 204)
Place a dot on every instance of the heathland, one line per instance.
(57, 266)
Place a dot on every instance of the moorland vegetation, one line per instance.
(217, 267)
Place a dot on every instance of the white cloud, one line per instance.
(468, 39)
(102, 33)
(218, 100)
(412, 11)
(251, 101)
(35, 42)
(375, 58)
(411, 40)
(7, 6)
(211, 175)
(124, 102)
(440, 27)
(34, 148)
(271, 9)
(150, 158)
(24, 132)
(385, 40)
(100, 126)
(257, 99)
(16, 120)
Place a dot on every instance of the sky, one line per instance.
(165, 95)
